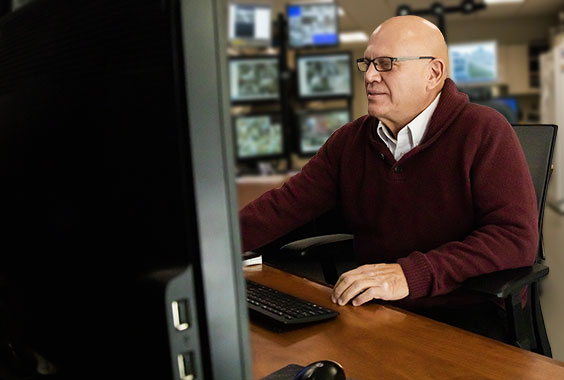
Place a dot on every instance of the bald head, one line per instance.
(417, 74)
(414, 36)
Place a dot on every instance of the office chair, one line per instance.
(526, 325)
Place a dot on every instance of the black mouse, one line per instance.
(322, 370)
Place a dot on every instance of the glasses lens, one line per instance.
(384, 64)
(362, 65)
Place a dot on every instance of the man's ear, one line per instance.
(437, 73)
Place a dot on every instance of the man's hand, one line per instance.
(379, 281)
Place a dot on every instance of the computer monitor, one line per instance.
(324, 75)
(120, 247)
(254, 79)
(473, 63)
(315, 24)
(315, 127)
(510, 101)
(250, 24)
(258, 136)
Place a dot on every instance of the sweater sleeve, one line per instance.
(303, 197)
(505, 214)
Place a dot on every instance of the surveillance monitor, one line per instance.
(324, 76)
(473, 63)
(315, 127)
(258, 136)
(250, 24)
(313, 25)
(254, 79)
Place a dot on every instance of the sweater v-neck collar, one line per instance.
(450, 105)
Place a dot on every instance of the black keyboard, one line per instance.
(282, 308)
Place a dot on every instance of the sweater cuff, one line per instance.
(417, 273)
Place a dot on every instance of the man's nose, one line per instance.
(372, 75)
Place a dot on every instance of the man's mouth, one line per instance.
(374, 94)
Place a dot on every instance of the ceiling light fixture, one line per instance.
(352, 37)
(439, 10)
(502, 1)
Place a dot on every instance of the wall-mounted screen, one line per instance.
(315, 127)
(511, 102)
(250, 24)
(324, 75)
(473, 62)
(254, 79)
(313, 25)
(258, 136)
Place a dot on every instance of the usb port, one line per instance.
(186, 367)
(180, 314)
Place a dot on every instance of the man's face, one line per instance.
(395, 96)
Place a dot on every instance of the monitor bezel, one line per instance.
(301, 114)
(238, 58)
(312, 45)
(234, 41)
(461, 84)
(262, 157)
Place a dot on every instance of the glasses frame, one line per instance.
(392, 59)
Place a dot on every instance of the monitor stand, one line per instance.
(265, 168)
(256, 168)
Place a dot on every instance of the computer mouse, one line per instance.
(322, 370)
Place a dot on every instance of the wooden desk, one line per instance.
(250, 188)
(382, 342)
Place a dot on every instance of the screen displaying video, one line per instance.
(313, 25)
(258, 136)
(250, 24)
(253, 79)
(322, 76)
(317, 126)
(473, 62)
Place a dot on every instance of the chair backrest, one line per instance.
(537, 141)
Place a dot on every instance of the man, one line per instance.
(435, 189)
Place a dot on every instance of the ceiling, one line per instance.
(367, 14)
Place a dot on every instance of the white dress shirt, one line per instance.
(409, 136)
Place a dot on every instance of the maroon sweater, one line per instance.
(458, 205)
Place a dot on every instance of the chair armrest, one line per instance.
(507, 282)
(303, 246)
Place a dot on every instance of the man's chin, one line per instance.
(374, 112)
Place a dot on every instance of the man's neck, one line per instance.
(397, 125)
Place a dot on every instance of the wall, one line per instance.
(505, 31)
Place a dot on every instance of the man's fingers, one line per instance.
(356, 289)
(352, 272)
(345, 282)
(365, 297)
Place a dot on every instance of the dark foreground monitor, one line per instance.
(120, 256)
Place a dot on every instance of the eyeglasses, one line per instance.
(382, 64)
